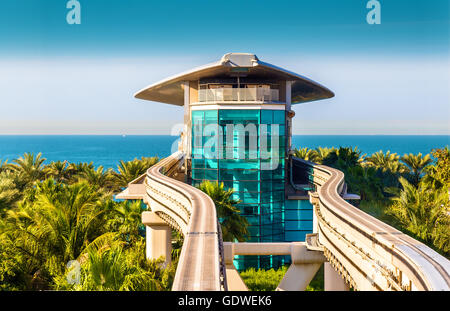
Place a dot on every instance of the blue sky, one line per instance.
(56, 78)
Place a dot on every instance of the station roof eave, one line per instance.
(171, 89)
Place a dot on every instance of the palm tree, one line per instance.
(364, 180)
(57, 170)
(30, 167)
(57, 226)
(306, 154)
(74, 169)
(343, 158)
(3, 165)
(322, 153)
(97, 177)
(389, 167)
(234, 226)
(119, 268)
(421, 210)
(9, 194)
(128, 171)
(416, 165)
(438, 175)
(385, 161)
(126, 219)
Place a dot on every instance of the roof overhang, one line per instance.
(171, 90)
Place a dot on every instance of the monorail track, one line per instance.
(399, 261)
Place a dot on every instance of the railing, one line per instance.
(238, 95)
(369, 254)
(193, 213)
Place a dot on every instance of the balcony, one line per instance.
(238, 95)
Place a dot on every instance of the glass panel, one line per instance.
(305, 225)
(248, 209)
(211, 174)
(266, 116)
(211, 116)
(197, 117)
(211, 163)
(253, 220)
(295, 235)
(278, 116)
(239, 175)
(247, 164)
(299, 214)
(198, 163)
(198, 174)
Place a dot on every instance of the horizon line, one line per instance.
(177, 136)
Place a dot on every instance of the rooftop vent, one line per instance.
(239, 59)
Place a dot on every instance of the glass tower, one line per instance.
(245, 150)
(238, 123)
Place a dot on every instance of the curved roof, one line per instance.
(170, 90)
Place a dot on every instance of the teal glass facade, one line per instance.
(298, 220)
(252, 163)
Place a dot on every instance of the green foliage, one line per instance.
(128, 171)
(438, 174)
(318, 282)
(234, 226)
(263, 280)
(344, 157)
(3, 165)
(9, 194)
(51, 214)
(365, 181)
(268, 280)
(58, 171)
(424, 212)
(29, 167)
(306, 154)
(416, 164)
(118, 268)
(126, 220)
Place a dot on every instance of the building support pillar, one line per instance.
(234, 280)
(333, 280)
(305, 264)
(158, 237)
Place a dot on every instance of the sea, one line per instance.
(109, 150)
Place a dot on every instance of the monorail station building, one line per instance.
(238, 126)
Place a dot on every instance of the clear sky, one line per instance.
(57, 78)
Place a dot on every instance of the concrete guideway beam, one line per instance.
(369, 254)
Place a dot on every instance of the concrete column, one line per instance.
(305, 264)
(234, 280)
(158, 237)
(333, 281)
(288, 128)
(187, 124)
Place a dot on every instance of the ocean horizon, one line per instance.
(108, 150)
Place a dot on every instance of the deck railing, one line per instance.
(238, 95)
